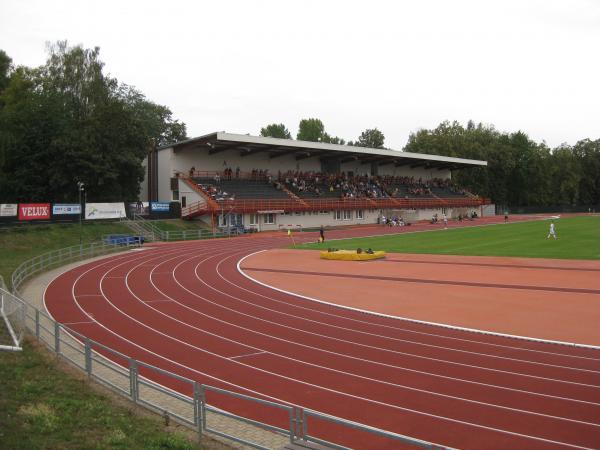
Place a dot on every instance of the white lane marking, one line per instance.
(247, 390)
(372, 334)
(423, 322)
(78, 323)
(248, 354)
(317, 386)
(355, 343)
(312, 364)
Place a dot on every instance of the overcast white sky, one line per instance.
(396, 65)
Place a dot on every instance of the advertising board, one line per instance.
(159, 207)
(96, 211)
(34, 211)
(8, 209)
(60, 209)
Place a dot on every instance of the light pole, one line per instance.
(80, 188)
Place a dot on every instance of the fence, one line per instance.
(62, 256)
(12, 320)
(147, 228)
(250, 421)
(281, 205)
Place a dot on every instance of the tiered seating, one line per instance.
(447, 192)
(239, 189)
(408, 191)
(319, 186)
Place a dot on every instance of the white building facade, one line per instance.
(168, 170)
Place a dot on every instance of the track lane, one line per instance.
(259, 359)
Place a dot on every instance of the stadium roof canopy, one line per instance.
(248, 145)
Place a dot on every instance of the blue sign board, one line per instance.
(59, 209)
(159, 207)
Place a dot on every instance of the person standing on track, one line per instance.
(552, 231)
(445, 219)
(321, 234)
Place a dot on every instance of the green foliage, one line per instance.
(578, 238)
(276, 130)
(67, 121)
(520, 171)
(310, 130)
(313, 130)
(371, 138)
(5, 69)
(44, 407)
(24, 242)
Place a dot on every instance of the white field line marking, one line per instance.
(399, 319)
(405, 330)
(358, 343)
(371, 380)
(452, 327)
(78, 323)
(533, 219)
(369, 361)
(248, 354)
(275, 399)
(321, 387)
(364, 345)
(371, 334)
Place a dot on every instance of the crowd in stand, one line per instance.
(319, 184)
(363, 186)
(215, 192)
(337, 185)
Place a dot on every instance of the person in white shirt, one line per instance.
(552, 231)
(445, 219)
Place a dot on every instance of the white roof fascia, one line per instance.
(222, 136)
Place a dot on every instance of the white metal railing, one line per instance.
(177, 397)
(12, 320)
(178, 235)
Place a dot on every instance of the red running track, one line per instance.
(186, 308)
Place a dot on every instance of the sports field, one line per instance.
(578, 238)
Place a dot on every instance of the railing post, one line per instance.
(304, 424)
(203, 407)
(57, 337)
(88, 357)
(37, 324)
(292, 425)
(133, 380)
(198, 408)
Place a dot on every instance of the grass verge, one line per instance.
(21, 243)
(46, 404)
(578, 238)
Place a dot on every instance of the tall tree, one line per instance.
(5, 69)
(372, 138)
(67, 121)
(276, 130)
(313, 130)
(310, 130)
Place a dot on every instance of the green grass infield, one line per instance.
(578, 238)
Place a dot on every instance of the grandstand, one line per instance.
(267, 183)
